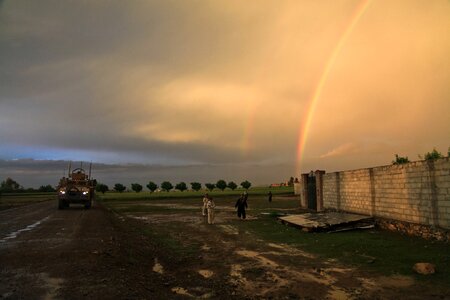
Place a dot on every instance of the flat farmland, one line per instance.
(11, 200)
(159, 246)
(261, 258)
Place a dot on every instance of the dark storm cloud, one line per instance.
(64, 80)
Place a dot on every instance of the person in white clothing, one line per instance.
(210, 205)
(205, 201)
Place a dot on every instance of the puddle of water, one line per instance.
(157, 267)
(181, 291)
(206, 273)
(14, 234)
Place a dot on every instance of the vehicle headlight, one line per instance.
(84, 193)
(62, 192)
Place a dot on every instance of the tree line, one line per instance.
(9, 185)
(168, 186)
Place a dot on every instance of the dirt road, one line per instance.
(75, 253)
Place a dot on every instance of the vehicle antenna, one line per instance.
(70, 166)
(90, 169)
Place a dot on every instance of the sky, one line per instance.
(207, 90)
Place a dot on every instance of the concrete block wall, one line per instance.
(417, 192)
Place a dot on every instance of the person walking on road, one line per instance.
(210, 205)
(241, 205)
(205, 201)
(270, 196)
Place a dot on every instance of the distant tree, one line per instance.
(136, 187)
(433, 155)
(181, 186)
(210, 186)
(221, 184)
(10, 185)
(232, 185)
(152, 186)
(102, 188)
(118, 187)
(46, 189)
(166, 186)
(196, 186)
(400, 160)
(246, 184)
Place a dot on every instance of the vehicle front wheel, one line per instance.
(88, 204)
(61, 204)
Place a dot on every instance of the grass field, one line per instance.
(10, 200)
(377, 251)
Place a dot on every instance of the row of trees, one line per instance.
(182, 186)
(9, 185)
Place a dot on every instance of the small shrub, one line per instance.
(400, 160)
(433, 155)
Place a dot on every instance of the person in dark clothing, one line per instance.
(270, 196)
(241, 205)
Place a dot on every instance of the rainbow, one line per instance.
(306, 122)
(248, 130)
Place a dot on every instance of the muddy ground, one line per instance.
(170, 252)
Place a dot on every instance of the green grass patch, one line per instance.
(376, 250)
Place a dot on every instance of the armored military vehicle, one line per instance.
(78, 188)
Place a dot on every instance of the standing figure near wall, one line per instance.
(241, 205)
(210, 205)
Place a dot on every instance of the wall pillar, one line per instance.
(319, 189)
(304, 190)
